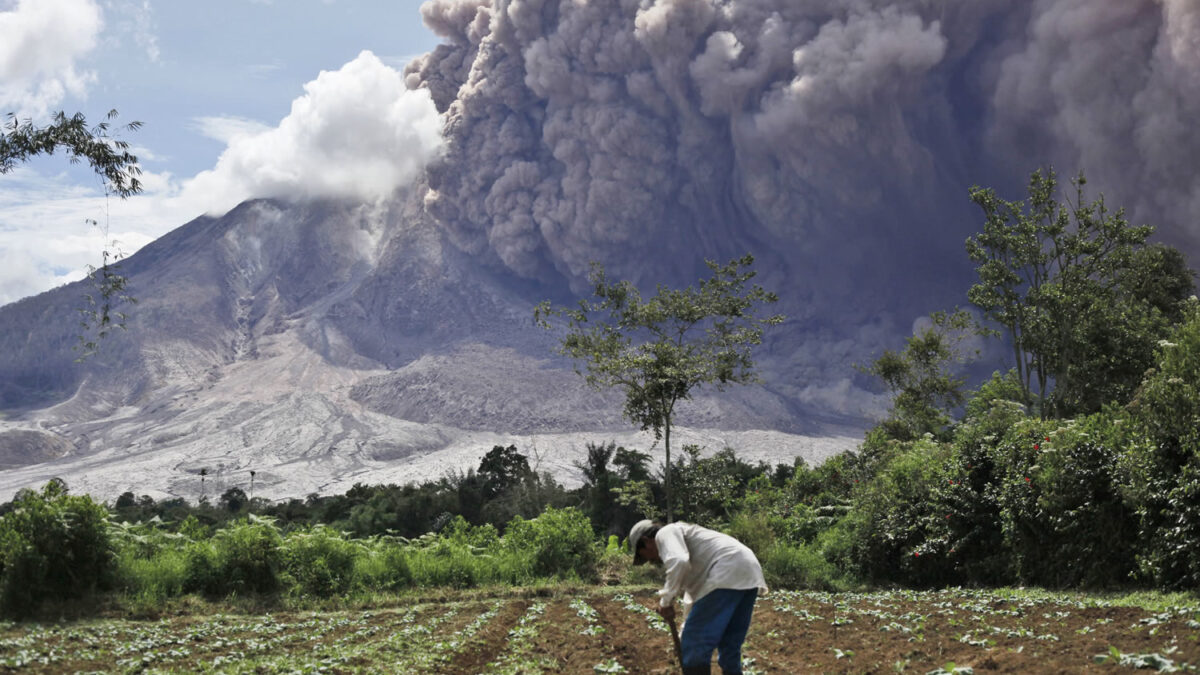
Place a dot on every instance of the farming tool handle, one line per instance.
(675, 639)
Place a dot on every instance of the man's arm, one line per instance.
(673, 551)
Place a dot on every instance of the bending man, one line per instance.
(714, 573)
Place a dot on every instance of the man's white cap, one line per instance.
(635, 535)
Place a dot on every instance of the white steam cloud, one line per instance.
(41, 43)
(356, 133)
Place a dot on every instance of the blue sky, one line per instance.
(218, 86)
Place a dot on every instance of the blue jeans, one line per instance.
(718, 621)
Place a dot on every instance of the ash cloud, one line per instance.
(835, 140)
(582, 131)
(1114, 89)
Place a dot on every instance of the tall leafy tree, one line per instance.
(1077, 289)
(657, 351)
(502, 469)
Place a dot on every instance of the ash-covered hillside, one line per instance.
(322, 345)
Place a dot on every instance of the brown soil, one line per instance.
(561, 642)
(483, 647)
(791, 633)
(639, 648)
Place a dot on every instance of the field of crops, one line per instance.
(600, 630)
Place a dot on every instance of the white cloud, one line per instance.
(41, 42)
(356, 133)
(45, 237)
(262, 71)
(135, 20)
(228, 129)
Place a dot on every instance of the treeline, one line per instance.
(1003, 495)
(500, 524)
(619, 486)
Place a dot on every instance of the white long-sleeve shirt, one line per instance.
(698, 560)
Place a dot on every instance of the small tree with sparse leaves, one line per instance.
(657, 351)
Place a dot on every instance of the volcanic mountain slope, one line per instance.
(321, 345)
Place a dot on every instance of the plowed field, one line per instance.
(606, 631)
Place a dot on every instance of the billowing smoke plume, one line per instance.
(614, 129)
(1112, 88)
(836, 139)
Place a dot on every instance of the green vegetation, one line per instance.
(52, 546)
(658, 351)
(1081, 295)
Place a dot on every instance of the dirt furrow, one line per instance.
(636, 646)
(482, 648)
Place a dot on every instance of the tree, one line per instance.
(658, 351)
(633, 465)
(233, 499)
(598, 482)
(1078, 290)
(117, 168)
(924, 386)
(502, 469)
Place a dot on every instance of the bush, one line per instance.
(201, 570)
(558, 543)
(242, 557)
(981, 553)
(444, 564)
(383, 566)
(319, 561)
(754, 530)
(52, 546)
(802, 566)
(899, 518)
(1088, 531)
(153, 579)
(151, 562)
(1163, 474)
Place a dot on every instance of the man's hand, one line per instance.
(667, 613)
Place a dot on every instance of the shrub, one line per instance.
(1088, 531)
(319, 561)
(444, 564)
(1163, 474)
(202, 573)
(899, 519)
(981, 554)
(802, 566)
(560, 542)
(754, 530)
(776, 514)
(242, 557)
(155, 578)
(52, 546)
(383, 566)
